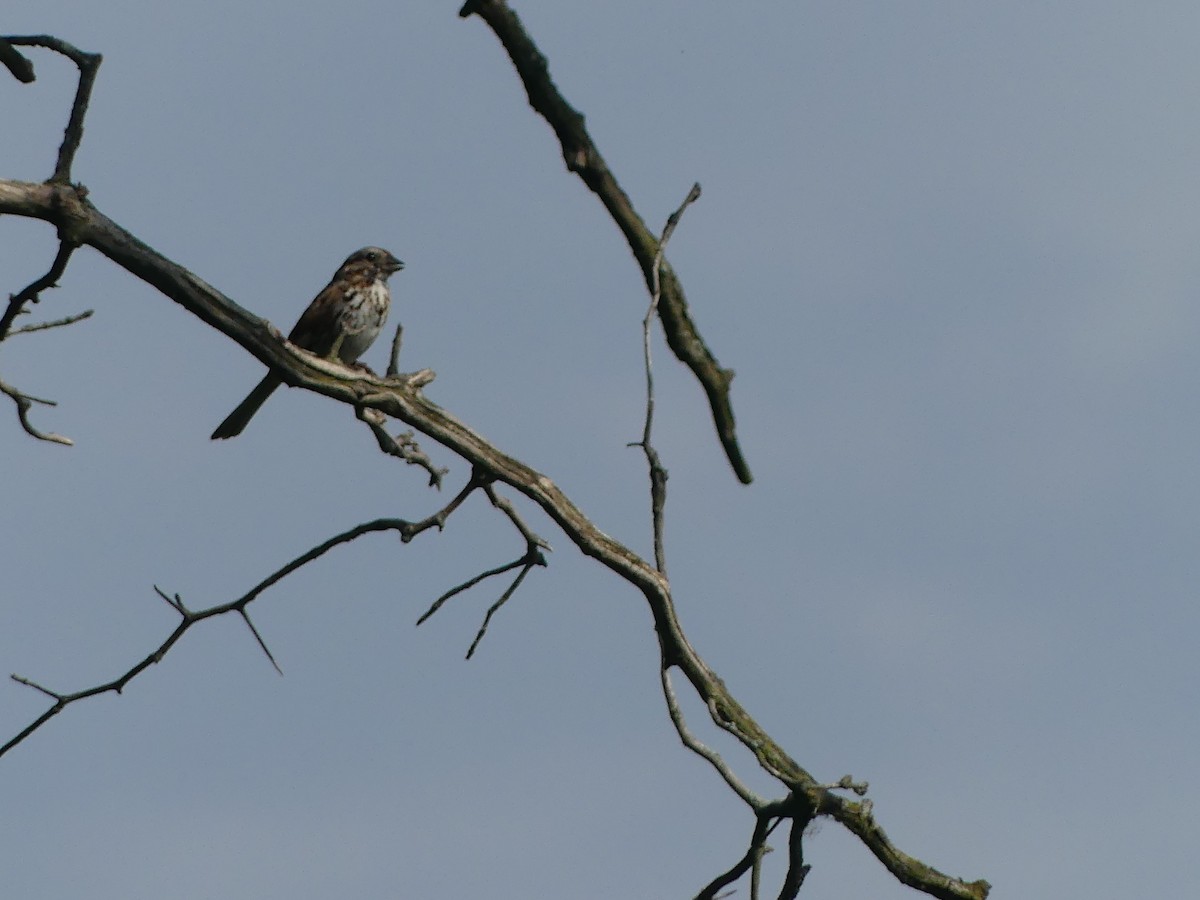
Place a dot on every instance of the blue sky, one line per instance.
(949, 250)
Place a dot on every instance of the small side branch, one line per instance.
(31, 293)
(526, 564)
(532, 540)
(258, 637)
(402, 446)
(24, 403)
(701, 749)
(16, 306)
(466, 586)
(88, 64)
(53, 323)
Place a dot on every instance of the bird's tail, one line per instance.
(240, 417)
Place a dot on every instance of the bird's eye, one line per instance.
(373, 256)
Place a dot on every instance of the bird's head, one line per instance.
(373, 261)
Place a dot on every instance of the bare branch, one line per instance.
(394, 359)
(258, 637)
(797, 869)
(30, 294)
(658, 473)
(24, 403)
(54, 323)
(503, 504)
(16, 305)
(538, 560)
(703, 750)
(859, 818)
(532, 557)
(583, 158)
(467, 585)
(37, 687)
(88, 64)
(189, 618)
(758, 847)
(401, 398)
(175, 602)
(403, 446)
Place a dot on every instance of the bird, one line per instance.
(342, 321)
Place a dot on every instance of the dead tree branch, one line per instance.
(31, 293)
(763, 826)
(79, 222)
(402, 399)
(188, 618)
(24, 404)
(22, 69)
(658, 472)
(16, 306)
(88, 64)
(583, 158)
(532, 557)
(53, 323)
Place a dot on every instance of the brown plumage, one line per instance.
(343, 321)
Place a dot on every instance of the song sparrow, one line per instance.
(343, 321)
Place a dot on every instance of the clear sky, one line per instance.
(950, 249)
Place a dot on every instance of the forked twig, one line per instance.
(467, 585)
(538, 560)
(534, 545)
(24, 403)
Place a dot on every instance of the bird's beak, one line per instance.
(395, 266)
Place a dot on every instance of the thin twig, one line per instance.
(54, 323)
(703, 750)
(506, 507)
(402, 446)
(30, 293)
(512, 589)
(258, 637)
(532, 557)
(467, 585)
(658, 472)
